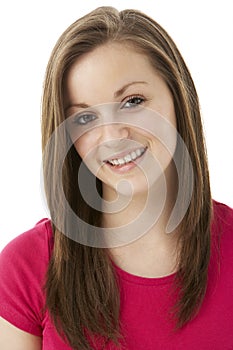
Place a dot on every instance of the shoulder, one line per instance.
(222, 210)
(38, 239)
(222, 221)
(222, 234)
(29, 253)
(23, 266)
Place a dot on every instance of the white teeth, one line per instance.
(133, 155)
(128, 158)
(138, 152)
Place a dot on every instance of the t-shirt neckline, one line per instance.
(141, 280)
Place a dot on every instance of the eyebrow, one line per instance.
(125, 87)
(116, 94)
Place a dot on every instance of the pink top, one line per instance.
(144, 301)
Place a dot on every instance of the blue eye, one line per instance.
(84, 119)
(133, 102)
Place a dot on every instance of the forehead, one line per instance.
(111, 53)
(106, 68)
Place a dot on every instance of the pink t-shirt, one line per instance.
(145, 302)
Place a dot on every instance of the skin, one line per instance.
(113, 75)
(13, 338)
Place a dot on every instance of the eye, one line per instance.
(84, 119)
(133, 101)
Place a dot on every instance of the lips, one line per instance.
(126, 158)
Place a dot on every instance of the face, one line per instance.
(120, 113)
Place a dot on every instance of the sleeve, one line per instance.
(23, 265)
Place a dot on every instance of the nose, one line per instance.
(111, 134)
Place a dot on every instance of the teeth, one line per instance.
(134, 155)
(138, 152)
(115, 162)
(128, 158)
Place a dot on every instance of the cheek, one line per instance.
(84, 140)
(84, 145)
(87, 150)
(162, 138)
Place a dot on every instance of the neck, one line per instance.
(153, 245)
(156, 203)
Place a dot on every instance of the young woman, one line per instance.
(136, 255)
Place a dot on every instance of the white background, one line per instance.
(202, 30)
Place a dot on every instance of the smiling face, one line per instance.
(115, 100)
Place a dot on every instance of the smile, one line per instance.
(132, 156)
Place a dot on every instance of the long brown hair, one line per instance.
(82, 293)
